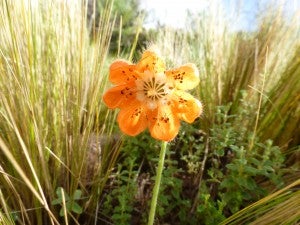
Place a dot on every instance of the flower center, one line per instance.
(152, 89)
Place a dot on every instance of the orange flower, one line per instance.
(149, 96)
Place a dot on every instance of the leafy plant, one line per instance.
(118, 204)
(67, 202)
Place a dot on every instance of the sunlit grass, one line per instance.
(52, 79)
(281, 207)
(259, 67)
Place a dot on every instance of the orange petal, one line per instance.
(185, 77)
(151, 61)
(185, 106)
(163, 124)
(120, 96)
(132, 119)
(121, 72)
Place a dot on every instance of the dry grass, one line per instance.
(52, 79)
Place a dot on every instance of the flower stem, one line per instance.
(157, 182)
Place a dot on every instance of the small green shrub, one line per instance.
(207, 176)
(69, 201)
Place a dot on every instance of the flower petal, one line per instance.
(151, 61)
(185, 77)
(132, 119)
(185, 106)
(120, 96)
(163, 124)
(121, 72)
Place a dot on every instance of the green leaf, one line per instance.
(62, 212)
(255, 161)
(227, 183)
(232, 167)
(251, 171)
(56, 201)
(59, 192)
(220, 152)
(77, 194)
(247, 182)
(76, 208)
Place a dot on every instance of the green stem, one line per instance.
(157, 182)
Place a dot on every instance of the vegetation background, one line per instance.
(63, 159)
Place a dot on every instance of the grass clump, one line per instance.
(52, 78)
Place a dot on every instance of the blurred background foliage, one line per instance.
(129, 32)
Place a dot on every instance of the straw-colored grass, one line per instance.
(281, 207)
(260, 68)
(52, 78)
